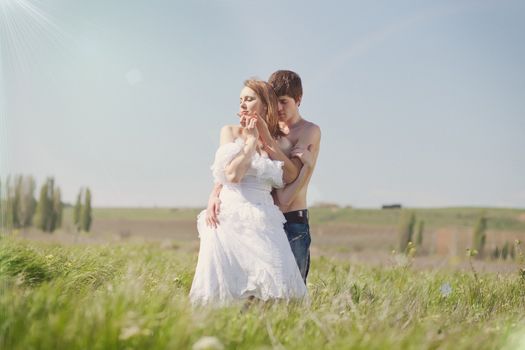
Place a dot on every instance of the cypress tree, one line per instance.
(9, 203)
(495, 253)
(57, 208)
(86, 211)
(51, 221)
(42, 208)
(31, 200)
(480, 236)
(419, 235)
(406, 229)
(25, 207)
(17, 194)
(46, 215)
(505, 251)
(78, 210)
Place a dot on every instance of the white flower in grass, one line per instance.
(445, 289)
(208, 343)
(401, 260)
(129, 332)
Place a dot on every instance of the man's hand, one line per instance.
(304, 154)
(212, 211)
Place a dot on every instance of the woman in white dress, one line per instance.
(247, 255)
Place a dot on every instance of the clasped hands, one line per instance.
(254, 127)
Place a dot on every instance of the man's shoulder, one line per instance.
(312, 127)
(310, 130)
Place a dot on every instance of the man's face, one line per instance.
(287, 108)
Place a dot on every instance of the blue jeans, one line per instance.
(299, 239)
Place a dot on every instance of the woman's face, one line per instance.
(250, 103)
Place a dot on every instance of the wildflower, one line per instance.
(445, 289)
(471, 252)
(50, 256)
(208, 343)
(20, 279)
(129, 332)
(411, 252)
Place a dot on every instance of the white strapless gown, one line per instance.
(248, 254)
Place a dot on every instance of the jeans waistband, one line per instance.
(297, 216)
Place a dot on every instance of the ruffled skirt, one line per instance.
(247, 255)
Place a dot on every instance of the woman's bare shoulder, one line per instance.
(230, 132)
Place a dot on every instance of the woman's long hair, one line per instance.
(270, 101)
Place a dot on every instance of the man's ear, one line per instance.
(299, 101)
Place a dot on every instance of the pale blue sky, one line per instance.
(420, 103)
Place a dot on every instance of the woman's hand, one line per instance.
(212, 212)
(250, 130)
(262, 128)
(242, 118)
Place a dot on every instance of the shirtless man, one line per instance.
(299, 151)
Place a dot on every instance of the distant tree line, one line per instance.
(20, 209)
(479, 240)
(411, 232)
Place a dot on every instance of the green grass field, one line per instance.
(134, 296)
(106, 290)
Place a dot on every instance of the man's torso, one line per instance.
(293, 137)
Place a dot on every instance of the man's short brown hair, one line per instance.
(286, 82)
